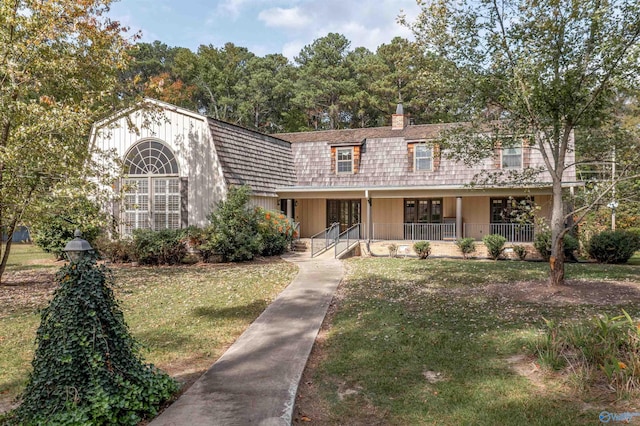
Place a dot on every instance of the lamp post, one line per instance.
(77, 247)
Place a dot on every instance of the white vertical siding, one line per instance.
(267, 203)
(188, 136)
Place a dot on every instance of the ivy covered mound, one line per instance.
(87, 368)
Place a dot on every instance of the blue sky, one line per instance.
(264, 26)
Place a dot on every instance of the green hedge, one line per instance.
(614, 246)
(164, 247)
(542, 243)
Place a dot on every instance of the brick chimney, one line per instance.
(398, 120)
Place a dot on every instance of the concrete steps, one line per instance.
(300, 246)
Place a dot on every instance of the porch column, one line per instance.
(290, 208)
(369, 222)
(458, 217)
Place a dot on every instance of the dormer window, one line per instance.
(345, 157)
(423, 157)
(512, 157)
(344, 160)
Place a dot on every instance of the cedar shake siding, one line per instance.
(386, 162)
(385, 158)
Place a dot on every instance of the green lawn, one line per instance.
(430, 342)
(29, 256)
(185, 316)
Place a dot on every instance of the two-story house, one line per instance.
(393, 181)
(397, 183)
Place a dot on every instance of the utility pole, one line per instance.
(613, 204)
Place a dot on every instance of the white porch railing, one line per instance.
(513, 232)
(414, 231)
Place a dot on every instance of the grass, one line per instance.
(184, 316)
(28, 256)
(399, 323)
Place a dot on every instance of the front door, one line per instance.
(344, 212)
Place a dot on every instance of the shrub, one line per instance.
(393, 250)
(193, 237)
(53, 228)
(542, 244)
(422, 249)
(276, 232)
(165, 247)
(603, 346)
(234, 228)
(635, 232)
(495, 245)
(116, 251)
(521, 251)
(466, 246)
(613, 246)
(87, 369)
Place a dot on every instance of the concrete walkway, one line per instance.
(255, 382)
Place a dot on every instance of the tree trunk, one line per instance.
(7, 249)
(556, 273)
(556, 261)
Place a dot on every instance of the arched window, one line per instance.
(151, 158)
(151, 188)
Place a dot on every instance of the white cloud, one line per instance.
(291, 49)
(365, 23)
(277, 17)
(265, 26)
(231, 8)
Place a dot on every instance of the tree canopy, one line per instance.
(548, 70)
(330, 85)
(60, 64)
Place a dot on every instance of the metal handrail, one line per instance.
(296, 230)
(327, 239)
(352, 234)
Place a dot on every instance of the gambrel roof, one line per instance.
(251, 158)
(385, 161)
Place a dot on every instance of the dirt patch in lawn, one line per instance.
(573, 292)
(25, 290)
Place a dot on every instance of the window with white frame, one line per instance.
(512, 157)
(344, 163)
(423, 156)
(151, 189)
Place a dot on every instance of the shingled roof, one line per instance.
(250, 158)
(421, 131)
(384, 160)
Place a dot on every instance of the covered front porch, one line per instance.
(417, 214)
